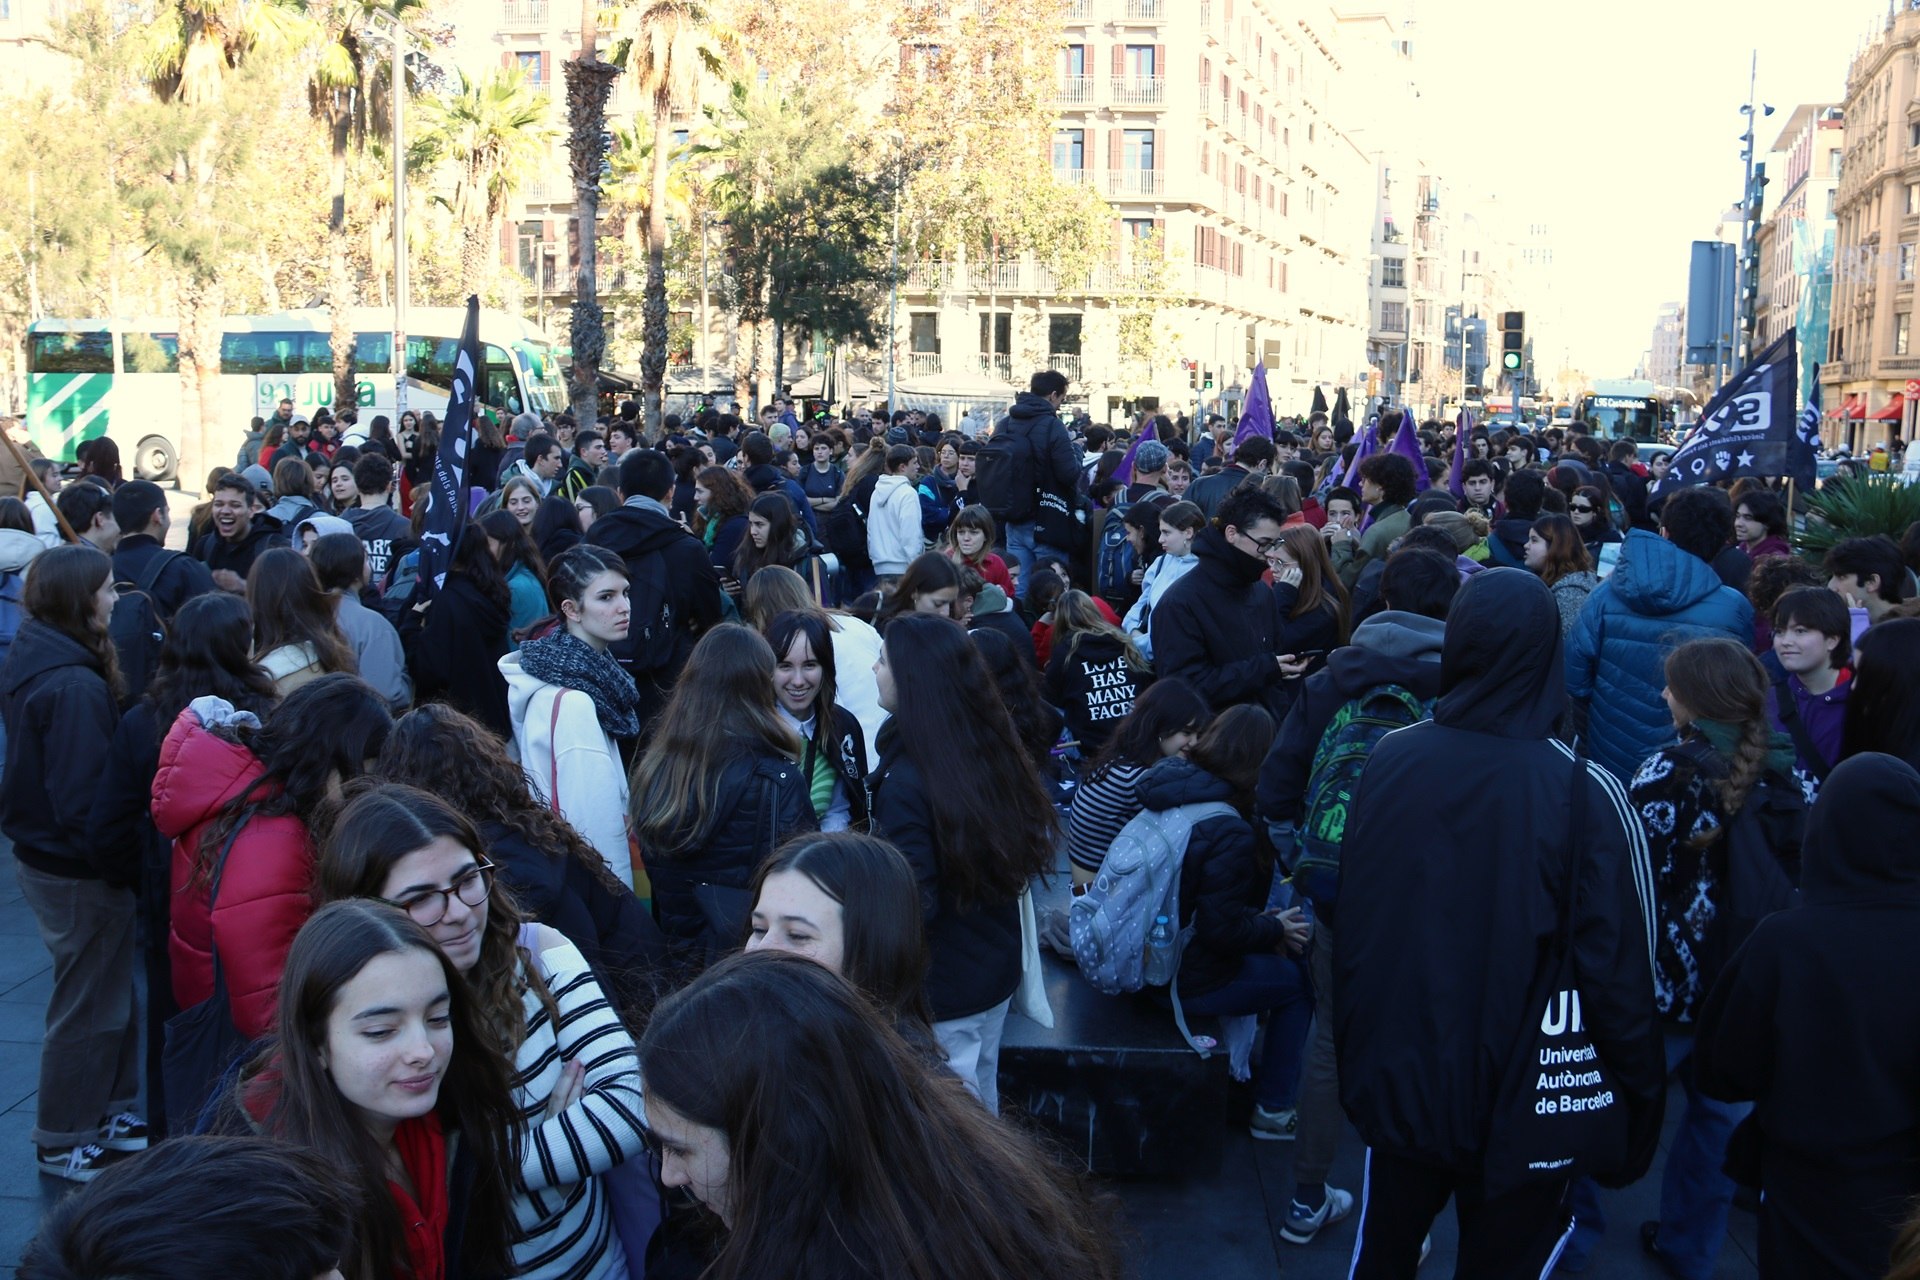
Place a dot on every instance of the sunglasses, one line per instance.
(1580, 510)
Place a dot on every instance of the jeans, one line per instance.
(972, 1046)
(1022, 548)
(90, 1059)
(1277, 986)
(1317, 1138)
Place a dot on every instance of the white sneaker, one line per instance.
(1303, 1224)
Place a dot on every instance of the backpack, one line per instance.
(12, 587)
(1003, 477)
(846, 527)
(1346, 745)
(1139, 880)
(1114, 562)
(1756, 864)
(136, 627)
(654, 633)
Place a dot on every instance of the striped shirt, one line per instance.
(565, 1227)
(1100, 809)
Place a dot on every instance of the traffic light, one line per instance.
(1193, 374)
(1513, 340)
(1207, 383)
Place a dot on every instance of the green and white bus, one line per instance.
(88, 378)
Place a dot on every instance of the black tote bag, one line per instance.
(202, 1044)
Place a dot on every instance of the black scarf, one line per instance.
(566, 660)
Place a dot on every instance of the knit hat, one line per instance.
(991, 599)
(322, 526)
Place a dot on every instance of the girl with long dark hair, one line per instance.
(1164, 722)
(454, 653)
(776, 536)
(1556, 551)
(576, 1084)
(956, 793)
(380, 1066)
(1883, 712)
(556, 876)
(58, 694)
(228, 787)
(834, 749)
(828, 1148)
(1592, 516)
(1310, 596)
(556, 528)
(522, 569)
(718, 787)
(856, 645)
(574, 748)
(296, 636)
(931, 584)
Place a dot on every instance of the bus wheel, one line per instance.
(154, 459)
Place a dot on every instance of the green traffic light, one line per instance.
(1511, 360)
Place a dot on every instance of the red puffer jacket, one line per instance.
(265, 895)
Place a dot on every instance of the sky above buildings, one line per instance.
(1619, 125)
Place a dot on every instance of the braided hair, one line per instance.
(1720, 679)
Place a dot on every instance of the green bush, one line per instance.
(1859, 508)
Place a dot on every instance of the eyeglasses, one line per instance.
(1263, 547)
(1580, 510)
(429, 906)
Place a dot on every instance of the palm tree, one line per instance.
(494, 133)
(676, 42)
(188, 55)
(589, 82)
(340, 91)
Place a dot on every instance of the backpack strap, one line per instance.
(1195, 814)
(553, 754)
(155, 567)
(1789, 709)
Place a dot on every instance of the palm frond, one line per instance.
(1858, 508)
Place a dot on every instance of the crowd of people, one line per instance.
(651, 895)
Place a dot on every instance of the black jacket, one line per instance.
(613, 931)
(1315, 631)
(60, 715)
(1013, 627)
(454, 652)
(1094, 689)
(1224, 880)
(217, 553)
(1388, 648)
(974, 954)
(693, 589)
(847, 753)
(1631, 488)
(1056, 463)
(1208, 492)
(181, 580)
(1452, 871)
(1507, 542)
(700, 887)
(1817, 1021)
(387, 536)
(120, 826)
(1216, 628)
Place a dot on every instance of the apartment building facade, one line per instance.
(1796, 237)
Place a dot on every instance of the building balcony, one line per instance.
(1135, 182)
(523, 15)
(1206, 104)
(1139, 91)
(928, 277)
(1079, 10)
(1074, 91)
(1145, 10)
(1067, 363)
(923, 364)
(998, 365)
(998, 277)
(1071, 177)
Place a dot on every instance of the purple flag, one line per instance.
(1407, 445)
(1256, 419)
(1124, 472)
(1368, 439)
(1456, 478)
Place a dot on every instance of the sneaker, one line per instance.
(75, 1164)
(1273, 1126)
(1303, 1224)
(124, 1132)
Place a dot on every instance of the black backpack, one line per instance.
(845, 530)
(1756, 863)
(1003, 476)
(653, 636)
(136, 627)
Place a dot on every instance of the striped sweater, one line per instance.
(565, 1228)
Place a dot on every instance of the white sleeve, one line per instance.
(593, 786)
(604, 1127)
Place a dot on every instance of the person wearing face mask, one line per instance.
(826, 1146)
(1216, 628)
(848, 903)
(834, 755)
(576, 1085)
(573, 748)
(382, 1066)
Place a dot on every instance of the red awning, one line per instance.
(1852, 409)
(1895, 409)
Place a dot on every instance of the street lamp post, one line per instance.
(395, 35)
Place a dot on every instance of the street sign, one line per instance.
(1913, 386)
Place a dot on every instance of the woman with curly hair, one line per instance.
(721, 500)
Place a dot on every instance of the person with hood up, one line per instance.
(1216, 627)
(1440, 940)
(1663, 592)
(1399, 645)
(658, 550)
(1816, 1020)
(1520, 501)
(1052, 465)
(571, 747)
(893, 519)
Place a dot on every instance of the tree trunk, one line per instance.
(339, 280)
(201, 302)
(779, 356)
(589, 81)
(745, 335)
(653, 312)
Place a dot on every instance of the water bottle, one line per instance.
(1160, 952)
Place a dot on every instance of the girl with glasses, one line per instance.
(575, 1080)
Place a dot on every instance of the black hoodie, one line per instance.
(1055, 462)
(1215, 628)
(1817, 1021)
(1452, 872)
(60, 716)
(693, 588)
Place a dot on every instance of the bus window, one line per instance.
(89, 352)
(431, 359)
(316, 353)
(150, 352)
(266, 352)
(500, 385)
(372, 352)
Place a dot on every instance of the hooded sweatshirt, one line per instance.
(1658, 598)
(1216, 628)
(59, 716)
(1817, 1021)
(893, 525)
(17, 550)
(1440, 936)
(570, 761)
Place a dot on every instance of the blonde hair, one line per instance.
(1076, 616)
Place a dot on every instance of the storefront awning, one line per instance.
(1895, 410)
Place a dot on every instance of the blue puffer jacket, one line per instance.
(1658, 597)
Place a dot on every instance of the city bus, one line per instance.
(1622, 409)
(88, 378)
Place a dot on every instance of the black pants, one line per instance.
(1515, 1237)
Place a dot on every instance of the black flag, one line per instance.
(1752, 428)
(447, 504)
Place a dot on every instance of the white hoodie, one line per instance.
(576, 751)
(893, 526)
